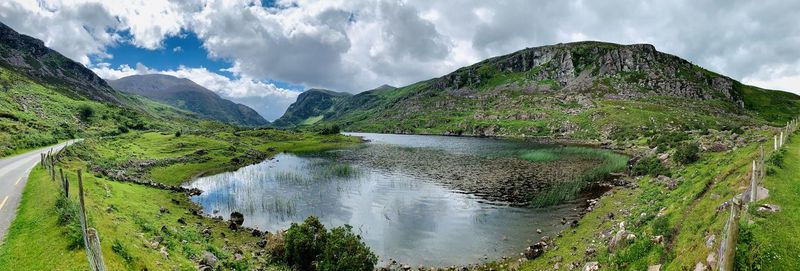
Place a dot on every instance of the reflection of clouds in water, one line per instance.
(400, 215)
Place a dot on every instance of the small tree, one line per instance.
(304, 242)
(649, 165)
(85, 112)
(686, 153)
(309, 246)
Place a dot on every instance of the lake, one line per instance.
(419, 200)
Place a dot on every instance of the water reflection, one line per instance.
(402, 216)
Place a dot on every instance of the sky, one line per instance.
(264, 53)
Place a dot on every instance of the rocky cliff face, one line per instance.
(582, 90)
(31, 57)
(185, 94)
(618, 71)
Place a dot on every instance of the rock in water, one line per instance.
(238, 218)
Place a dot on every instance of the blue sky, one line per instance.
(181, 50)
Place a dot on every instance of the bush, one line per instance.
(649, 165)
(303, 242)
(344, 250)
(178, 134)
(309, 246)
(85, 112)
(330, 130)
(686, 153)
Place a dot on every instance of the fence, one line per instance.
(750, 196)
(91, 239)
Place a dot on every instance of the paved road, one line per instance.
(13, 176)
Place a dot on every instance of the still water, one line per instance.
(404, 216)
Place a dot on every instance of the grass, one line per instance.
(685, 216)
(127, 215)
(569, 189)
(35, 115)
(771, 241)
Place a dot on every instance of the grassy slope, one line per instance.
(36, 240)
(687, 217)
(34, 115)
(771, 241)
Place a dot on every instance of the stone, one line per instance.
(164, 253)
(163, 210)
(590, 251)
(710, 241)
(700, 267)
(768, 208)
(208, 259)
(591, 266)
(658, 239)
(181, 220)
(238, 218)
(539, 231)
(711, 259)
(654, 268)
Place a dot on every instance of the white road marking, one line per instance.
(4, 203)
(20, 179)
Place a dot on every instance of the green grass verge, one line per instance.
(770, 242)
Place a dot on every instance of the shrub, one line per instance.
(649, 165)
(85, 112)
(330, 130)
(276, 245)
(304, 242)
(178, 134)
(686, 153)
(309, 246)
(344, 250)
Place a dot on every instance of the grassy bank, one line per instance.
(770, 242)
(683, 217)
(135, 234)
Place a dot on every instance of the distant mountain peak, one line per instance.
(188, 95)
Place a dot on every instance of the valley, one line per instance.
(572, 156)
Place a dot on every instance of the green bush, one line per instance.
(330, 130)
(178, 134)
(303, 242)
(686, 153)
(344, 250)
(649, 165)
(85, 112)
(668, 140)
(309, 246)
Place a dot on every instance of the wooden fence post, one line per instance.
(753, 186)
(91, 239)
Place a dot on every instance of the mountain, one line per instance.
(311, 106)
(46, 97)
(31, 58)
(590, 90)
(185, 94)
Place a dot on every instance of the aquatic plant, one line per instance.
(572, 186)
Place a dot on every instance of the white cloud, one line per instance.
(353, 45)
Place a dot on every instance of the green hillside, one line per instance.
(585, 90)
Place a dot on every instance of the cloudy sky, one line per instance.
(263, 53)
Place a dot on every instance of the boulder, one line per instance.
(208, 259)
(591, 266)
(238, 218)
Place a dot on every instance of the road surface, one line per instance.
(13, 176)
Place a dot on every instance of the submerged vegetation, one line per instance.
(571, 187)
